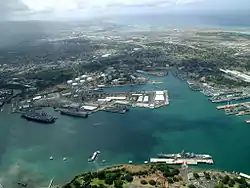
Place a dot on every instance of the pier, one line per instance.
(232, 105)
(181, 161)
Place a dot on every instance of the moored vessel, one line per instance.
(40, 117)
(74, 113)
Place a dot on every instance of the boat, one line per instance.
(94, 156)
(40, 117)
(74, 113)
(121, 110)
(184, 155)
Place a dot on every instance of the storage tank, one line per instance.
(69, 81)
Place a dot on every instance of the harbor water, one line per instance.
(190, 122)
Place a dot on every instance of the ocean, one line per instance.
(190, 122)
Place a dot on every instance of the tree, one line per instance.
(175, 171)
(170, 180)
(241, 181)
(144, 182)
(118, 183)
(225, 179)
(207, 176)
(231, 183)
(129, 178)
(152, 182)
(101, 175)
(176, 179)
(109, 179)
(191, 186)
(196, 176)
(243, 186)
(220, 185)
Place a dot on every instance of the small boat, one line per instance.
(94, 156)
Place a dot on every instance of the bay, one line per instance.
(190, 122)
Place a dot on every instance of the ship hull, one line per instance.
(74, 115)
(39, 120)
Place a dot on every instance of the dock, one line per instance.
(51, 183)
(181, 161)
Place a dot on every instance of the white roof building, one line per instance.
(140, 99)
(159, 98)
(145, 99)
(116, 98)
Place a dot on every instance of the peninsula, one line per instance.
(159, 175)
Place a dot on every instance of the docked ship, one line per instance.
(94, 156)
(40, 117)
(121, 110)
(184, 155)
(74, 113)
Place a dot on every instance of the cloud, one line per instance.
(88, 8)
(8, 7)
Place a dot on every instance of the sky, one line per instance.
(72, 9)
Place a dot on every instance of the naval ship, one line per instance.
(75, 113)
(184, 155)
(117, 109)
(40, 117)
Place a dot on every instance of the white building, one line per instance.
(140, 99)
(159, 98)
(146, 98)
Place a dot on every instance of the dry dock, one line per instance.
(181, 161)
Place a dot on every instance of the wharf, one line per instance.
(229, 99)
(232, 105)
(181, 161)
(242, 113)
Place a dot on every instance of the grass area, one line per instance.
(97, 181)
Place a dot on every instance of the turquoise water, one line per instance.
(190, 122)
